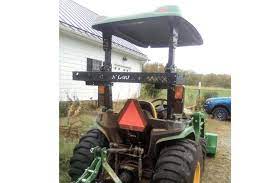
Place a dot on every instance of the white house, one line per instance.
(79, 43)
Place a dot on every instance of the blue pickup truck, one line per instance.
(219, 107)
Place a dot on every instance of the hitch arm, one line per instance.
(100, 159)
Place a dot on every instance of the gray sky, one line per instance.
(209, 17)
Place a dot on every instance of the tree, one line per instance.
(192, 78)
(150, 89)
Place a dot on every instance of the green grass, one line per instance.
(191, 93)
(66, 145)
(85, 120)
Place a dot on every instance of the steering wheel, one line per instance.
(163, 102)
(160, 108)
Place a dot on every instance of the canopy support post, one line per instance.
(170, 68)
(106, 98)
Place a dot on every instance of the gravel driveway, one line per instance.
(218, 168)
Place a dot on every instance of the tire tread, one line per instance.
(82, 156)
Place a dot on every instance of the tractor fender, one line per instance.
(198, 120)
(188, 132)
(96, 126)
(106, 122)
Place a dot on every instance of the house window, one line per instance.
(93, 64)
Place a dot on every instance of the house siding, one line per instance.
(73, 54)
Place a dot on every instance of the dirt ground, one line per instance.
(218, 168)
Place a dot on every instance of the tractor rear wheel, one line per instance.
(180, 162)
(82, 157)
(203, 144)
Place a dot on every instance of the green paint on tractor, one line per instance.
(212, 139)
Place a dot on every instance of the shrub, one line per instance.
(151, 91)
(210, 94)
(63, 108)
(86, 107)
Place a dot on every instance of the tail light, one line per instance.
(101, 89)
(131, 117)
(179, 91)
(178, 101)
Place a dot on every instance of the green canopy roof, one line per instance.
(151, 29)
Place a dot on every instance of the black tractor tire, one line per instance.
(178, 161)
(220, 113)
(203, 144)
(82, 157)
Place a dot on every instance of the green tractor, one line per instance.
(146, 141)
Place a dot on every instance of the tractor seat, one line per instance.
(148, 106)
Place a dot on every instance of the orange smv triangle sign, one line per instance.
(131, 117)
